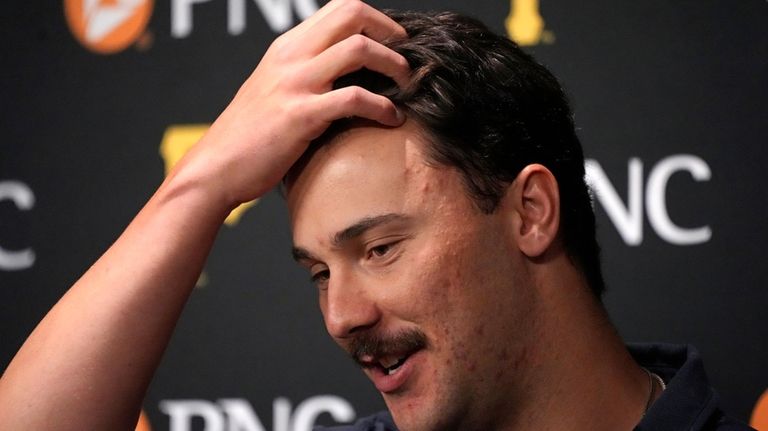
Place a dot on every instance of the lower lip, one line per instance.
(390, 383)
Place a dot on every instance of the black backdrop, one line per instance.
(670, 101)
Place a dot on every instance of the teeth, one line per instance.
(393, 369)
(393, 366)
(389, 362)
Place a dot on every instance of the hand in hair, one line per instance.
(289, 100)
(100, 344)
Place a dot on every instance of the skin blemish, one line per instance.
(520, 359)
(503, 356)
(460, 352)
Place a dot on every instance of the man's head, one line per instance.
(428, 242)
(490, 110)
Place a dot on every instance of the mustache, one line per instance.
(379, 345)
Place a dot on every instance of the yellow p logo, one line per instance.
(177, 140)
(525, 25)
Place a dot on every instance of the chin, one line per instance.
(425, 421)
(417, 421)
(423, 414)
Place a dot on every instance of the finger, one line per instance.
(294, 39)
(356, 52)
(317, 16)
(358, 102)
(350, 17)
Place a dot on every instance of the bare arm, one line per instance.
(102, 341)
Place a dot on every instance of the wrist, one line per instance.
(199, 196)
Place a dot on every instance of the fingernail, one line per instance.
(400, 115)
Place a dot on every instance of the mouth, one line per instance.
(391, 365)
(388, 365)
(391, 373)
(388, 361)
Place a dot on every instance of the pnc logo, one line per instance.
(107, 26)
(143, 423)
(759, 419)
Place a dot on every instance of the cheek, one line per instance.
(468, 297)
(439, 293)
(434, 281)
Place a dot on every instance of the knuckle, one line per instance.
(354, 95)
(385, 106)
(358, 44)
(281, 51)
(284, 82)
(385, 103)
(353, 9)
(294, 110)
(280, 43)
(281, 56)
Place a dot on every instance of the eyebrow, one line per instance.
(353, 231)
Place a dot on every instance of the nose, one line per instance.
(348, 307)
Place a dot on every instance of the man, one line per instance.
(443, 217)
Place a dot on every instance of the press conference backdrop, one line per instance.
(100, 98)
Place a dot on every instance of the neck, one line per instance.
(583, 377)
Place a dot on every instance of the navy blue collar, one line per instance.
(689, 402)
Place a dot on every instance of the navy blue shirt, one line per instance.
(688, 403)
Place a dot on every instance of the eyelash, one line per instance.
(320, 277)
(387, 248)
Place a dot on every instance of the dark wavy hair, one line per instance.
(490, 110)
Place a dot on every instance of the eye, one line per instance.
(385, 249)
(320, 278)
(379, 250)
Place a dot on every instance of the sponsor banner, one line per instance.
(107, 27)
(103, 97)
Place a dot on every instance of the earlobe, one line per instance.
(535, 197)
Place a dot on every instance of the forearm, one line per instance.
(100, 344)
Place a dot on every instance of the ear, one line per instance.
(535, 198)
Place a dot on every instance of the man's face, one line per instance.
(427, 293)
